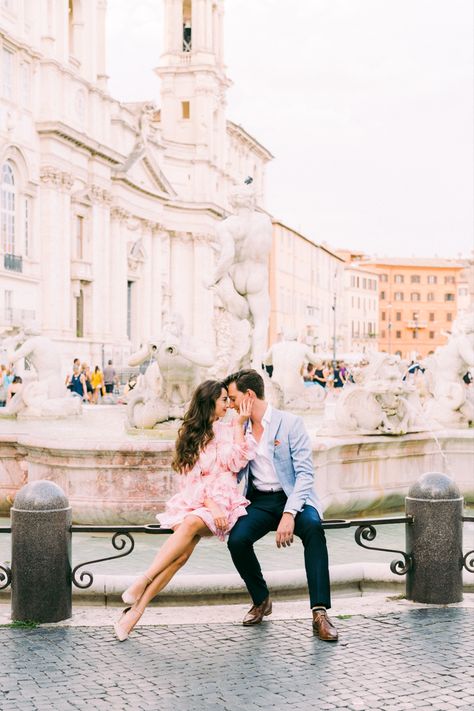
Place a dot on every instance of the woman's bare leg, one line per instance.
(175, 546)
(130, 619)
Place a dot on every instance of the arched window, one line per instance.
(8, 208)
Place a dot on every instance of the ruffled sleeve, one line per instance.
(232, 455)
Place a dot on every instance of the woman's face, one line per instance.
(222, 404)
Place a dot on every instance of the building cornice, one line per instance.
(68, 134)
(240, 133)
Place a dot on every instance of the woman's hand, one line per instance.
(245, 410)
(220, 519)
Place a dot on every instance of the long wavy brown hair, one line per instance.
(196, 431)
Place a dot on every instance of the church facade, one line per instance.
(109, 209)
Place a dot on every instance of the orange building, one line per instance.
(418, 303)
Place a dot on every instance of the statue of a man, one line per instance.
(241, 273)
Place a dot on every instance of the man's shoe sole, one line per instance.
(259, 622)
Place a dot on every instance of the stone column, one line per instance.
(41, 553)
(434, 540)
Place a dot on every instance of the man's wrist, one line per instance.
(290, 511)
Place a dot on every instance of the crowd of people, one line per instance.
(91, 385)
(327, 375)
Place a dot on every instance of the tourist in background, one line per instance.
(14, 387)
(110, 378)
(77, 382)
(86, 372)
(3, 385)
(319, 375)
(208, 456)
(97, 382)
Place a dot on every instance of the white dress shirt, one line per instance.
(262, 469)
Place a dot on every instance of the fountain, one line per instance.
(113, 471)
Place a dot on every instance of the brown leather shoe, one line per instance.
(257, 612)
(323, 626)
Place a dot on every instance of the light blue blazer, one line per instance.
(292, 454)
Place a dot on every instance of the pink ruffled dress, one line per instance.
(214, 476)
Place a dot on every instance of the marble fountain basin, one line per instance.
(114, 477)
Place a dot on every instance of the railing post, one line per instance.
(434, 540)
(41, 553)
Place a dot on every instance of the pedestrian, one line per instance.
(278, 481)
(86, 372)
(110, 377)
(97, 382)
(76, 363)
(319, 375)
(3, 385)
(77, 382)
(14, 387)
(308, 375)
(208, 456)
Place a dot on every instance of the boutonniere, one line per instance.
(276, 443)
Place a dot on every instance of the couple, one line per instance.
(271, 451)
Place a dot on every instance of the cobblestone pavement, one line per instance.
(416, 659)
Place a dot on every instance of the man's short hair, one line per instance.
(110, 362)
(247, 380)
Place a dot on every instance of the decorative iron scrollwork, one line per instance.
(120, 541)
(5, 576)
(368, 533)
(468, 562)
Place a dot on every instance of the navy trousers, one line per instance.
(263, 515)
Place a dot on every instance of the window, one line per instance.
(415, 279)
(415, 296)
(382, 334)
(432, 279)
(8, 301)
(382, 315)
(430, 296)
(398, 296)
(432, 334)
(382, 295)
(185, 110)
(398, 334)
(414, 334)
(398, 316)
(449, 280)
(79, 237)
(449, 297)
(398, 278)
(80, 315)
(449, 316)
(383, 277)
(26, 234)
(25, 84)
(129, 308)
(7, 209)
(431, 316)
(187, 28)
(352, 280)
(7, 72)
(463, 291)
(364, 283)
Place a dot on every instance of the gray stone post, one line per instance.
(41, 553)
(434, 539)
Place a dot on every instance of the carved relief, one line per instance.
(136, 254)
(53, 176)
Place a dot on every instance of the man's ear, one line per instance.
(251, 394)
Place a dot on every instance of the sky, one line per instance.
(367, 106)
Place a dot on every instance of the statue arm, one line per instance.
(22, 352)
(199, 358)
(466, 351)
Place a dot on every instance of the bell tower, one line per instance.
(194, 83)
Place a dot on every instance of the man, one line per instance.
(110, 377)
(279, 484)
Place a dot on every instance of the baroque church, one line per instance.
(109, 209)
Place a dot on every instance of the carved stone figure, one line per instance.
(449, 403)
(240, 278)
(45, 395)
(166, 387)
(287, 358)
(381, 403)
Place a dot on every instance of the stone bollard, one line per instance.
(41, 553)
(434, 539)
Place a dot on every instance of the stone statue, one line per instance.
(175, 370)
(449, 404)
(240, 281)
(45, 395)
(288, 357)
(380, 403)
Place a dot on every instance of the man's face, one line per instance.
(235, 397)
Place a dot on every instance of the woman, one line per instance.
(208, 456)
(97, 382)
(86, 372)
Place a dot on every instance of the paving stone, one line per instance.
(388, 662)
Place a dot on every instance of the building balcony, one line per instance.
(13, 262)
(81, 270)
(416, 324)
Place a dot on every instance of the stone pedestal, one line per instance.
(41, 554)
(434, 540)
